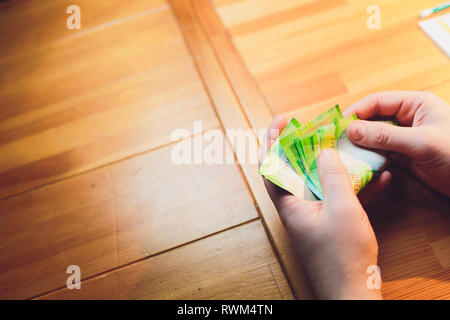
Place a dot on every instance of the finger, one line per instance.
(399, 104)
(275, 192)
(374, 187)
(298, 215)
(334, 178)
(272, 134)
(379, 135)
(289, 206)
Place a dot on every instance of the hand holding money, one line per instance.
(421, 139)
(291, 162)
(334, 238)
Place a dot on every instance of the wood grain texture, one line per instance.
(39, 24)
(228, 108)
(289, 11)
(414, 252)
(113, 216)
(287, 57)
(236, 264)
(243, 84)
(86, 174)
(98, 98)
(433, 80)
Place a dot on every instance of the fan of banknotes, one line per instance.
(291, 163)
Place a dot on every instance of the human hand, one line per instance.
(333, 237)
(422, 139)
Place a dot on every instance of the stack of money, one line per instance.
(291, 163)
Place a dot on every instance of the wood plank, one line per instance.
(409, 265)
(235, 264)
(306, 92)
(411, 224)
(433, 83)
(278, 16)
(230, 113)
(244, 86)
(74, 66)
(39, 24)
(113, 216)
(342, 28)
(419, 288)
(238, 12)
(284, 55)
(85, 114)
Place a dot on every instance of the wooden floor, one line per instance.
(86, 118)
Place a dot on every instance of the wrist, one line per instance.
(354, 289)
(334, 280)
(357, 291)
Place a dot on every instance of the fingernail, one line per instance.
(356, 131)
(329, 154)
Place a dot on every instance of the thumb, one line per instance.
(379, 135)
(336, 185)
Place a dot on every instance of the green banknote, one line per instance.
(309, 146)
(325, 137)
(298, 154)
(277, 168)
(307, 149)
(360, 163)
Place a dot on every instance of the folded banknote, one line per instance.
(277, 168)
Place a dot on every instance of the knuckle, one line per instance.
(335, 169)
(373, 97)
(381, 135)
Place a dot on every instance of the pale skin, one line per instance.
(334, 237)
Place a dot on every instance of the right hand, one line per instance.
(422, 137)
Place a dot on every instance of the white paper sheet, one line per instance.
(438, 29)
